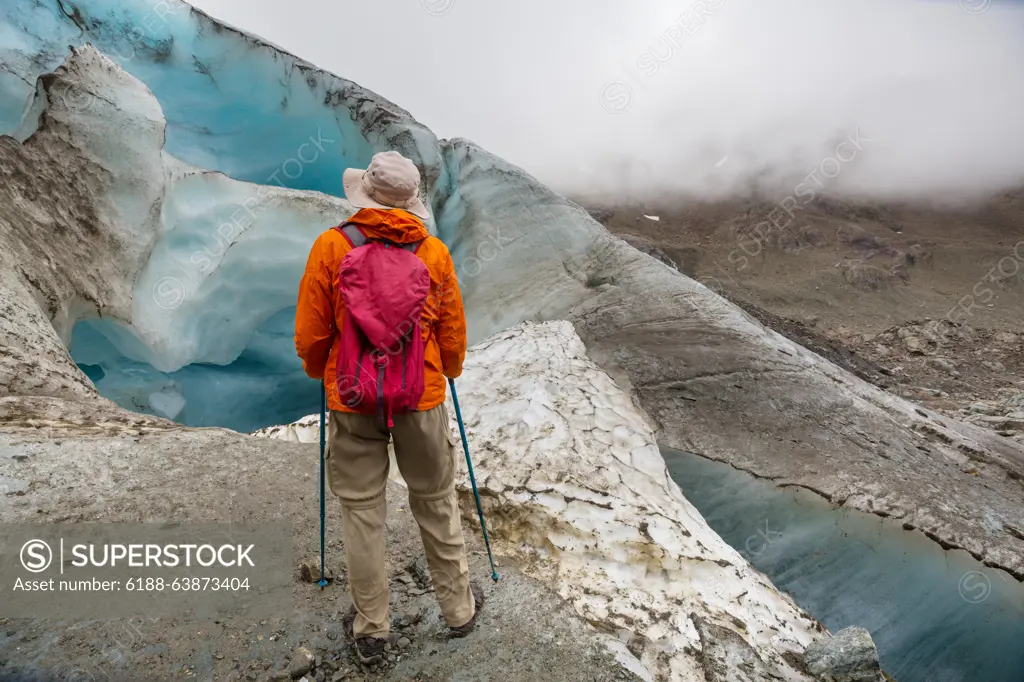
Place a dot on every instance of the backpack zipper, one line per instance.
(380, 390)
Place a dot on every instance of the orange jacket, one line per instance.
(320, 310)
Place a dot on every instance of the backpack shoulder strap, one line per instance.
(354, 235)
(356, 238)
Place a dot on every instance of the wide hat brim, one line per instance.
(352, 181)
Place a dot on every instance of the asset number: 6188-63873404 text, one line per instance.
(193, 584)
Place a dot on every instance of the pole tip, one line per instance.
(322, 583)
(495, 577)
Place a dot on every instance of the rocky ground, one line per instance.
(971, 374)
(924, 301)
(526, 632)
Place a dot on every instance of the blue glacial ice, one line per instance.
(253, 390)
(216, 260)
(266, 102)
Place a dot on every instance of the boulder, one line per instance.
(301, 663)
(1013, 421)
(941, 364)
(985, 408)
(849, 656)
(309, 570)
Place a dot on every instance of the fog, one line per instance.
(708, 98)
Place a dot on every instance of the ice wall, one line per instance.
(233, 102)
(188, 277)
(211, 261)
(249, 392)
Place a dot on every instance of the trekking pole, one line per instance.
(323, 447)
(472, 479)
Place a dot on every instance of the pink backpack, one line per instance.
(380, 358)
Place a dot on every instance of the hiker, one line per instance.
(380, 319)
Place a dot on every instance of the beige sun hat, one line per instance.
(391, 181)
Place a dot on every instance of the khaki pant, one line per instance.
(357, 471)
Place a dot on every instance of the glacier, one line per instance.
(207, 319)
(188, 61)
(255, 389)
(203, 320)
(167, 258)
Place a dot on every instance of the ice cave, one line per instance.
(232, 165)
(212, 330)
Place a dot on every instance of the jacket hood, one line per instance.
(395, 225)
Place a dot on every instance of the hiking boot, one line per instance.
(369, 650)
(478, 601)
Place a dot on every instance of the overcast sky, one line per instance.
(690, 97)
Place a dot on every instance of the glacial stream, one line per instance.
(936, 615)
